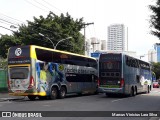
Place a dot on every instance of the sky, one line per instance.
(134, 14)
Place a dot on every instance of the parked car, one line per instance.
(155, 85)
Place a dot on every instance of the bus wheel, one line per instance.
(54, 93)
(31, 97)
(148, 89)
(136, 91)
(132, 92)
(79, 94)
(42, 97)
(62, 93)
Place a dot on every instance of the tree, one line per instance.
(156, 69)
(54, 27)
(155, 19)
(6, 42)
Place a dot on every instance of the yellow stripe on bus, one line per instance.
(19, 65)
(33, 53)
(26, 94)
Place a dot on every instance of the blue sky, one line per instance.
(132, 13)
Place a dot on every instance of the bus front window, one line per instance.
(19, 73)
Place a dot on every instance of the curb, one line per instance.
(10, 99)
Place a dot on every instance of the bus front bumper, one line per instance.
(110, 90)
(27, 94)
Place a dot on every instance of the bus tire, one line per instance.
(108, 95)
(42, 97)
(148, 89)
(79, 94)
(136, 91)
(132, 92)
(62, 93)
(54, 93)
(96, 92)
(31, 97)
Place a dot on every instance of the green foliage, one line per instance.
(6, 42)
(155, 19)
(156, 69)
(3, 63)
(54, 27)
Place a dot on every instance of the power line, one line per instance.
(4, 23)
(41, 4)
(11, 17)
(36, 6)
(8, 22)
(52, 6)
(7, 28)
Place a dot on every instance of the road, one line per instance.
(100, 102)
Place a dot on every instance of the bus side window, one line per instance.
(137, 78)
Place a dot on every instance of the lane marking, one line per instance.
(117, 100)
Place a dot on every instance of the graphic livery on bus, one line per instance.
(123, 74)
(35, 71)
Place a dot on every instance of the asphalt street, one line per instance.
(91, 103)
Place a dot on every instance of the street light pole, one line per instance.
(142, 56)
(47, 38)
(61, 41)
(54, 46)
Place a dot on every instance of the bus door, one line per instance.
(19, 78)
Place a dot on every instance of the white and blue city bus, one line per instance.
(36, 71)
(122, 74)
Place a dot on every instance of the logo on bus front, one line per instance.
(109, 65)
(18, 51)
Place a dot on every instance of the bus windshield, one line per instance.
(110, 69)
(19, 73)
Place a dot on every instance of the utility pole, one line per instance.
(86, 24)
(94, 44)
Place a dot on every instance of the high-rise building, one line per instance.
(157, 49)
(103, 45)
(95, 42)
(152, 56)
(116, 37)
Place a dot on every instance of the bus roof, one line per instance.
(126, 55)
(44, 48)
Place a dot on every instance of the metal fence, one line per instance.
(3, 80)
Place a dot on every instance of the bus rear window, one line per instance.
(108, 57)
(110, 65)
(19, 73)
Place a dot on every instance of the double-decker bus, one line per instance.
(122, 74)
(36, 71)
